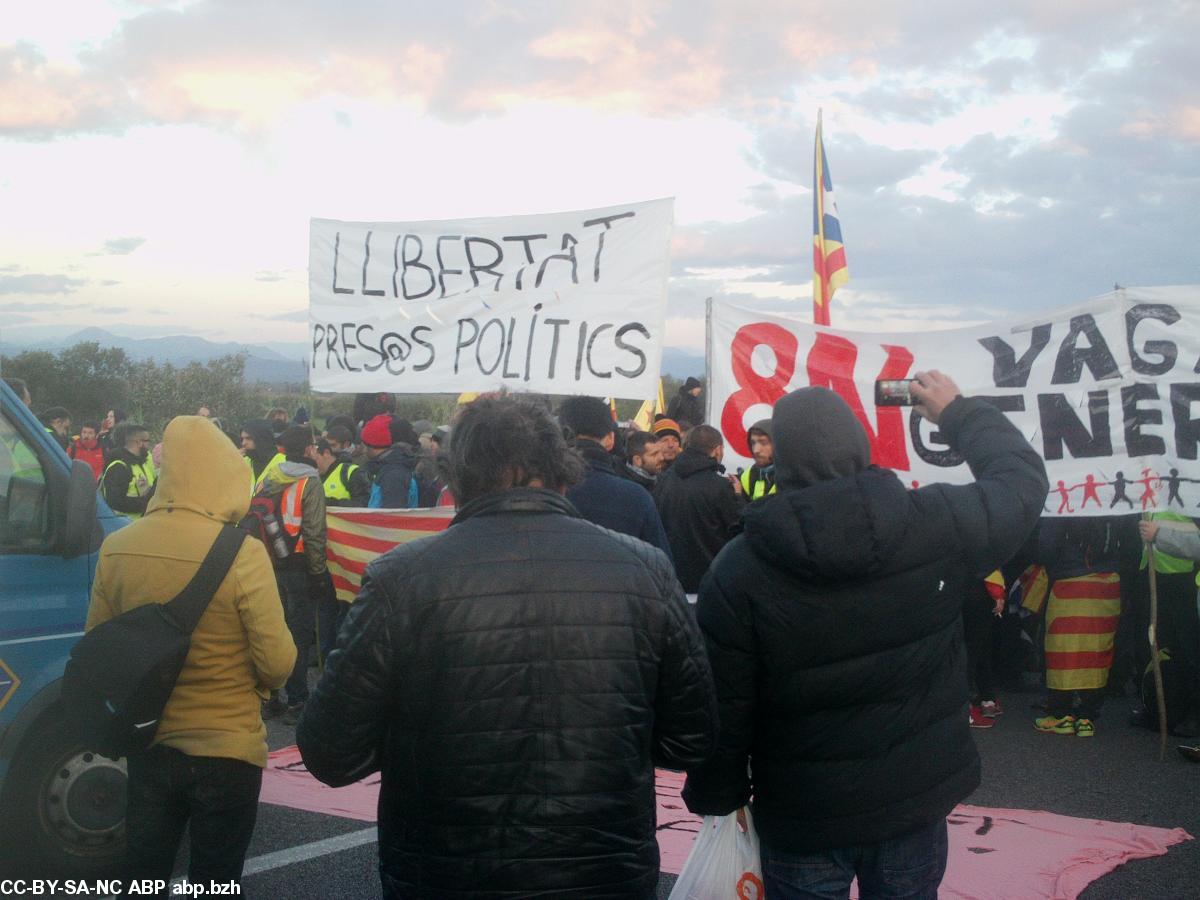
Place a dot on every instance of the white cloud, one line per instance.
(984, 157)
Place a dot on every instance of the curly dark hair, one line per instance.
(506, 442)
(588, 417)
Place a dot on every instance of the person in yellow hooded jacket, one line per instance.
(204, 769)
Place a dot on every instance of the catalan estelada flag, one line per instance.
(357, 536)
(829, 256)
(644, 417)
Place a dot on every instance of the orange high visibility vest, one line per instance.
(291, 505)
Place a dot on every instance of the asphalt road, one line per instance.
(1116, 776)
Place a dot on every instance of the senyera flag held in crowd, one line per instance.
(561, 303)
(357, 536)
(1107, 392)
(829, 256)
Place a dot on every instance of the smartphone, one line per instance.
(894, 392)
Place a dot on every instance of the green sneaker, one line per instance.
(1056, 724)
(1085, 728)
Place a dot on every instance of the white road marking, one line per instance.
(325, 847)
(300, 853)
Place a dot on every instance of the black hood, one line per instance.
(816, 438)
(264, 443)
(689, 462)
(846, 529)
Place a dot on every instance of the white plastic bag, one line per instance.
(724, 863)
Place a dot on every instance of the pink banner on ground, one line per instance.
(994, 853)
(997, 853)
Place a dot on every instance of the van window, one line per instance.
(24, 510)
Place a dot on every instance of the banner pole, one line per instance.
(1155, 662)
(708, 342)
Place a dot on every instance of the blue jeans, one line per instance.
(909, 866)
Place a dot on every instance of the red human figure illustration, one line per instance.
(1149, 498)
(1065, 493)
(1089, 486)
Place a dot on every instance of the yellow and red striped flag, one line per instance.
(1081, 627)
(357, 536)
(1035, 588)
(994, 585)
(829, 256)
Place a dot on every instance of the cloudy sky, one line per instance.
(160, 161)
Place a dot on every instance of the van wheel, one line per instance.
(67, 804)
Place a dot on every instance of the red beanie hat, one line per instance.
(378, 432)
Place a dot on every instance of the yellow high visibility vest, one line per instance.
(142, 478)
(759, 488)
(271, 468)
(337, 485)
(1164, 563)
(25, 464)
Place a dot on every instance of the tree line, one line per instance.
(88, 380)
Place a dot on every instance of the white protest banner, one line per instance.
(564, 303)
(1107, 392)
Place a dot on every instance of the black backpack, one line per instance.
(121, 673)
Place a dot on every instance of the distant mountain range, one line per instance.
(264, 363)
(681, 363)
(270, 362)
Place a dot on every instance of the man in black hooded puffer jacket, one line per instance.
(833, 625)
(514, 679)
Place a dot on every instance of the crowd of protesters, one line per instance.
(807, 636)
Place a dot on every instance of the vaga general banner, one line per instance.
(562, 303)
(1107, 392)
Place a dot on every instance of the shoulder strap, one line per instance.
(189, 605)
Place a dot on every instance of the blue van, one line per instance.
(62, 806)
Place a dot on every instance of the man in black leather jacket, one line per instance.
(515, 680)
(833, 625)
